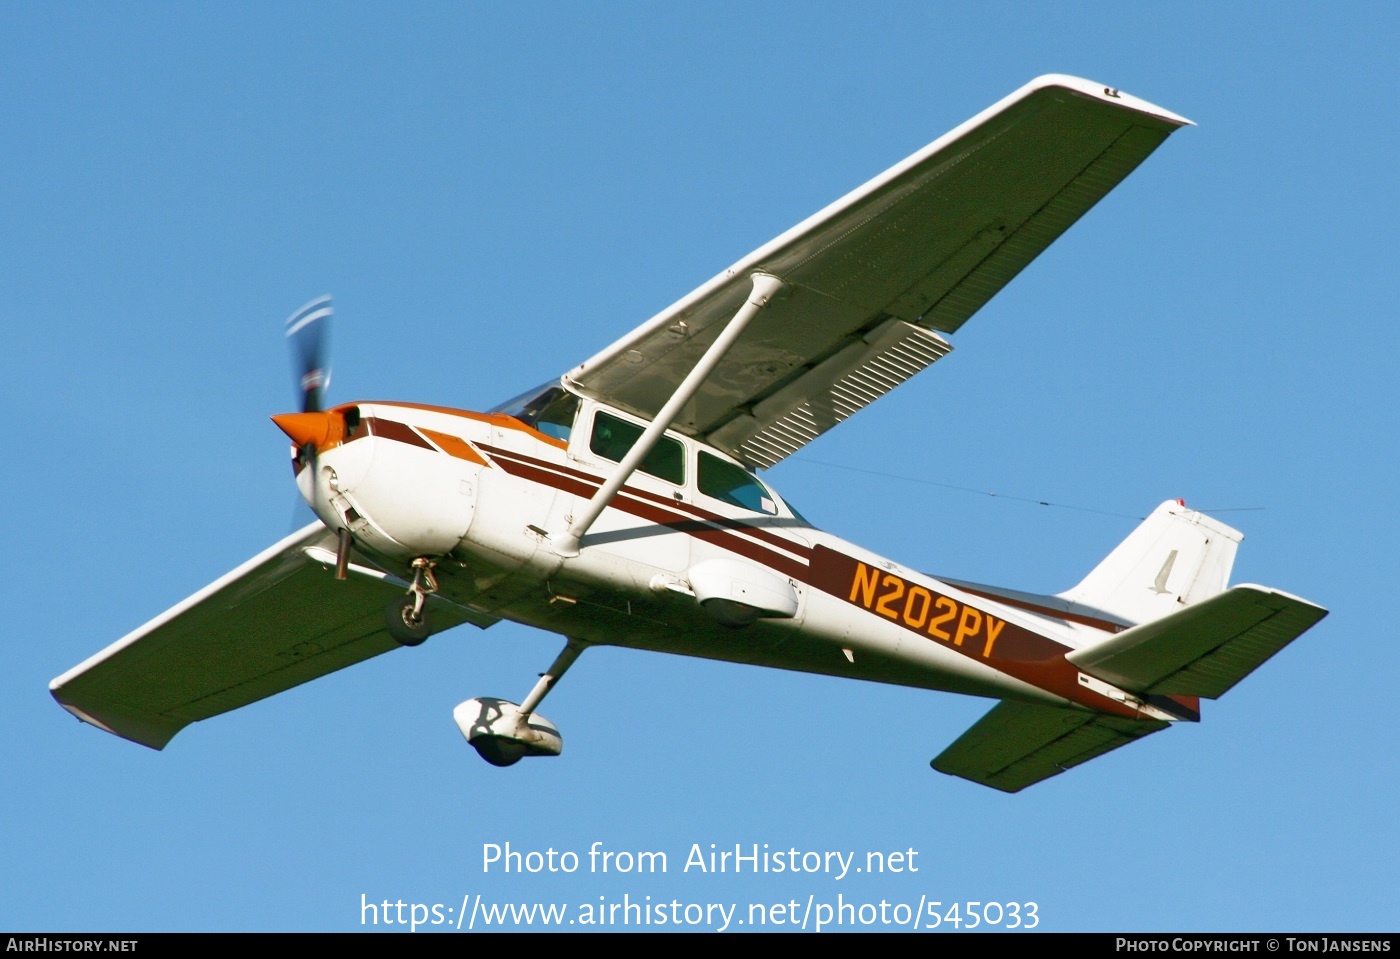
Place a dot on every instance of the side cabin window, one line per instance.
(613, 437)
(549, 409)
(733, 485)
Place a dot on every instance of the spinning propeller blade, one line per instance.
(308, 330)
(309, 334)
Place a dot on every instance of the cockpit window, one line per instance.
(734, 485)
(613, 438)
(550, 409)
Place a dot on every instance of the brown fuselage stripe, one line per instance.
(1102, 624)
(1018, 652)
(975, 633)
(1191, 704)
(798, 549)
(391, 430)
(642, 509)
(1015, 651)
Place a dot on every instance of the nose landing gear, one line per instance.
(406, 619)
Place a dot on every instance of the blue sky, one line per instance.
(492, 194)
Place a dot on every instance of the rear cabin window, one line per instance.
(613, 437)
(733, 485)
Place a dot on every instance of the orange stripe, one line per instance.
(454, 446)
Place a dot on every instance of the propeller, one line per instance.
(309, 333)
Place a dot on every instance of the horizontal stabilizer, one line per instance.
(1202, 650)
(1018, 744)
(279, 620)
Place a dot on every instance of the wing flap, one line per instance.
(837, 389)
(278, 621)
(1019, 744)
(927, 242)
(1204, 649)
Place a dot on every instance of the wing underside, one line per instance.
(278, 621)
(918, 249)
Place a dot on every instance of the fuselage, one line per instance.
(482, 493)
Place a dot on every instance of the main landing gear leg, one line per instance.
(407, 617)
(557, 669)
(504, 733)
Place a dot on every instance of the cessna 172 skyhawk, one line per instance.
(619, 505)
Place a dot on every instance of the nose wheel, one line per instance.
(406, 619)
(409, 628)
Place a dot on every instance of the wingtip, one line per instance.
(1107, 94)
(144, 731)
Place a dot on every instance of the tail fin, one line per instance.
(1175, 558)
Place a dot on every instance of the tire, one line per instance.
(399, 622)
(498, 751)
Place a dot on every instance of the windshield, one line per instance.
(548, 408)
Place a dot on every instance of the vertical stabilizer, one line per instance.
(1175, 558)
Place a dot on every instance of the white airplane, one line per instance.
(619, 504)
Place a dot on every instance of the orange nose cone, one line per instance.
(316, 429)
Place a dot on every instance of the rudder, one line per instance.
(1175, 558)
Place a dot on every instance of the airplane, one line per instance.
(619, 504)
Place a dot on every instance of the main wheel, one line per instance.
(498, 751)
(399, 620)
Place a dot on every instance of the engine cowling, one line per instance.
(383, 481)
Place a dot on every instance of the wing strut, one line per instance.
(765, 287)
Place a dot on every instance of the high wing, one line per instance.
(279, 620)
(918, 249)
